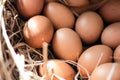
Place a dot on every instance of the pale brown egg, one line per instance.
(60, 15)
(111, 11)
(107, 71)
(29, 8)
(66, 44)
(117, 54)
(37, 30)
(89, 26)
(58, 68)
(92, 57)
(76, 3)
(110, 35)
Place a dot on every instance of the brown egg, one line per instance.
(92, 57)
(111, 11)
(59, 68)
(89, 26)
(110, 35)
(107, 71)
(60, 15)
(77, 3)
(117, 54)
(67, 44)
(29, 8)
(37, 30)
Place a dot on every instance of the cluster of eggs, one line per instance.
(53, 22)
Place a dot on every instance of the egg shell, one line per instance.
(60, 15)
(29, 8)
(89, 26)
(117, 54)
(111, 11)
(94, 56)
(37, 30)
(107, 71)
(110, 35)
(76, 3)
(66, 44)
(58, 67)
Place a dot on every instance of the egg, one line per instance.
(117, 54)
(57, 68)
(37, 30)
(111, 11)
(89, 26)
(110, 35)
(92, 57)
(29, 8)
(76, 3)
(107, 71)
(66, 44)
(60, 15)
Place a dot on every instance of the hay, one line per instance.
(14, 52)
(19, 61)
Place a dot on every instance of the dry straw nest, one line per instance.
(18, 61)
